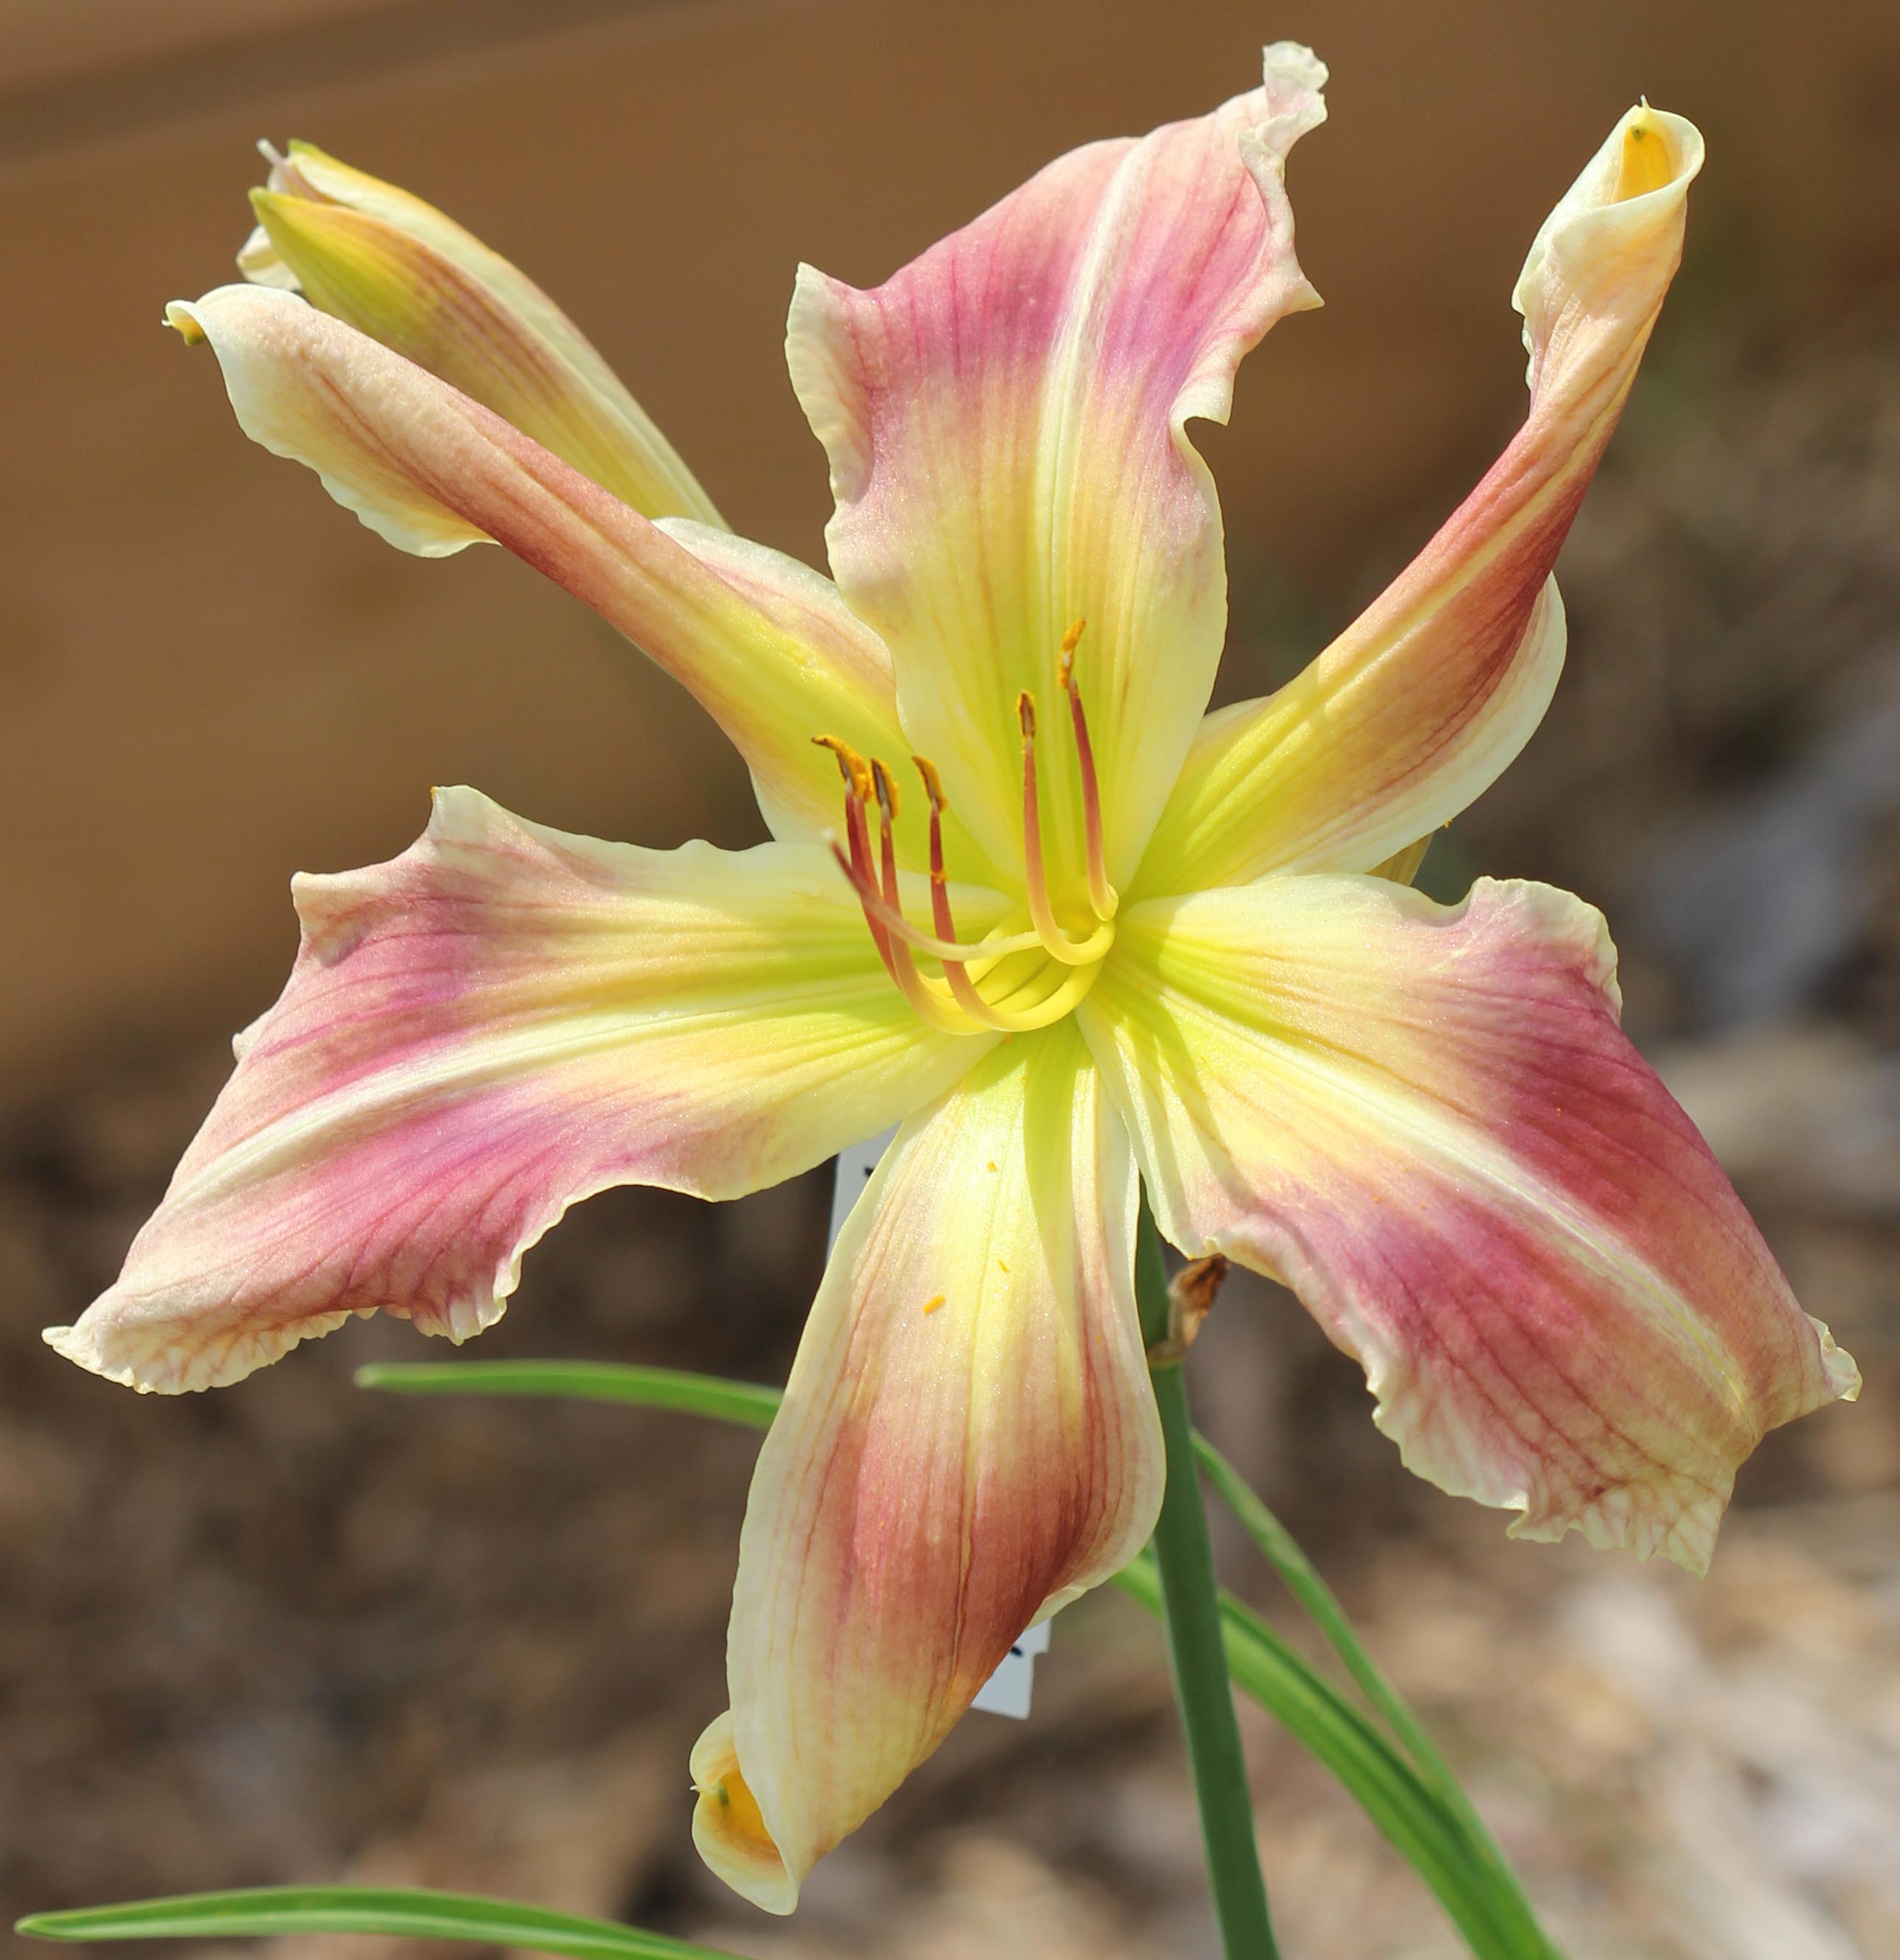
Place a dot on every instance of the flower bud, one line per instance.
(398, 269)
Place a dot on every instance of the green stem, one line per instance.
(1301, 1578)
(1191, 1596)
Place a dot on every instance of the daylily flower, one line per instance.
(1090, 935)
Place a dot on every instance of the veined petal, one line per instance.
(850, 674)
(498, 1023)
(1429, 1123)
(1417, 707)
(409, 276)
(431, 471)
(1006, 421)
(968, 1439)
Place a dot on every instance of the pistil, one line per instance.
(1055, 942)
(288, 176)
(962, 988)
(1102, 895)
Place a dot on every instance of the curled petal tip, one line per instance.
(1293, 63)
(1295, 81)
(109, 1342)
(180, 318)
(1649, 161)
(1417, 707)
(729, 1830)
(386, 439)
(1842, 1371)
(1607, 252)
(76, 1345)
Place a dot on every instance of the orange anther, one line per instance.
(932, 783)
(886, 790)
(851, 765)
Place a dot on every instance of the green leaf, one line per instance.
(414, 1915)
(1408, 1815)
(583, 1381)
(1302, 1580)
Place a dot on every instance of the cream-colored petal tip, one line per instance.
(1630, 195)
(1651, 151)
(230, 308)
(80, 1344)
(1295, 78)
(183, 321)
(1294, 65)
(1842, 1371)
(728, 1831)
(171, 1361)
(237, 307)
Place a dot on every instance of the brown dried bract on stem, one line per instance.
(1191, 1294)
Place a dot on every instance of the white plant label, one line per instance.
(1006, 1692)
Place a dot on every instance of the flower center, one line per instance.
(1012, 981)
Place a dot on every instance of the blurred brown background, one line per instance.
(287, 1632)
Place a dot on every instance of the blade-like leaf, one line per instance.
(1411, 1816)
(584, 1381)
(1436, 1836)
(1301, 1578)
(413, 1915)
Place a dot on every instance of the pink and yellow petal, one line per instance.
(1419, 705)
(769, 651)
(401, 272)
(805, 609)
(1005, 420)
(1429, 1123)
(477, 1035)
(968, 1439)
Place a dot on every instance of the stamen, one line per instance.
(940, 915)
(1055, 942)
(857, 829)
(939, 802)
(921, 996)
(1102, 895)
(917, 990)
(888, 919)
(962, 988)
(887, 792)
(852, 766)
(1075, 984)
(1026, 1002)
